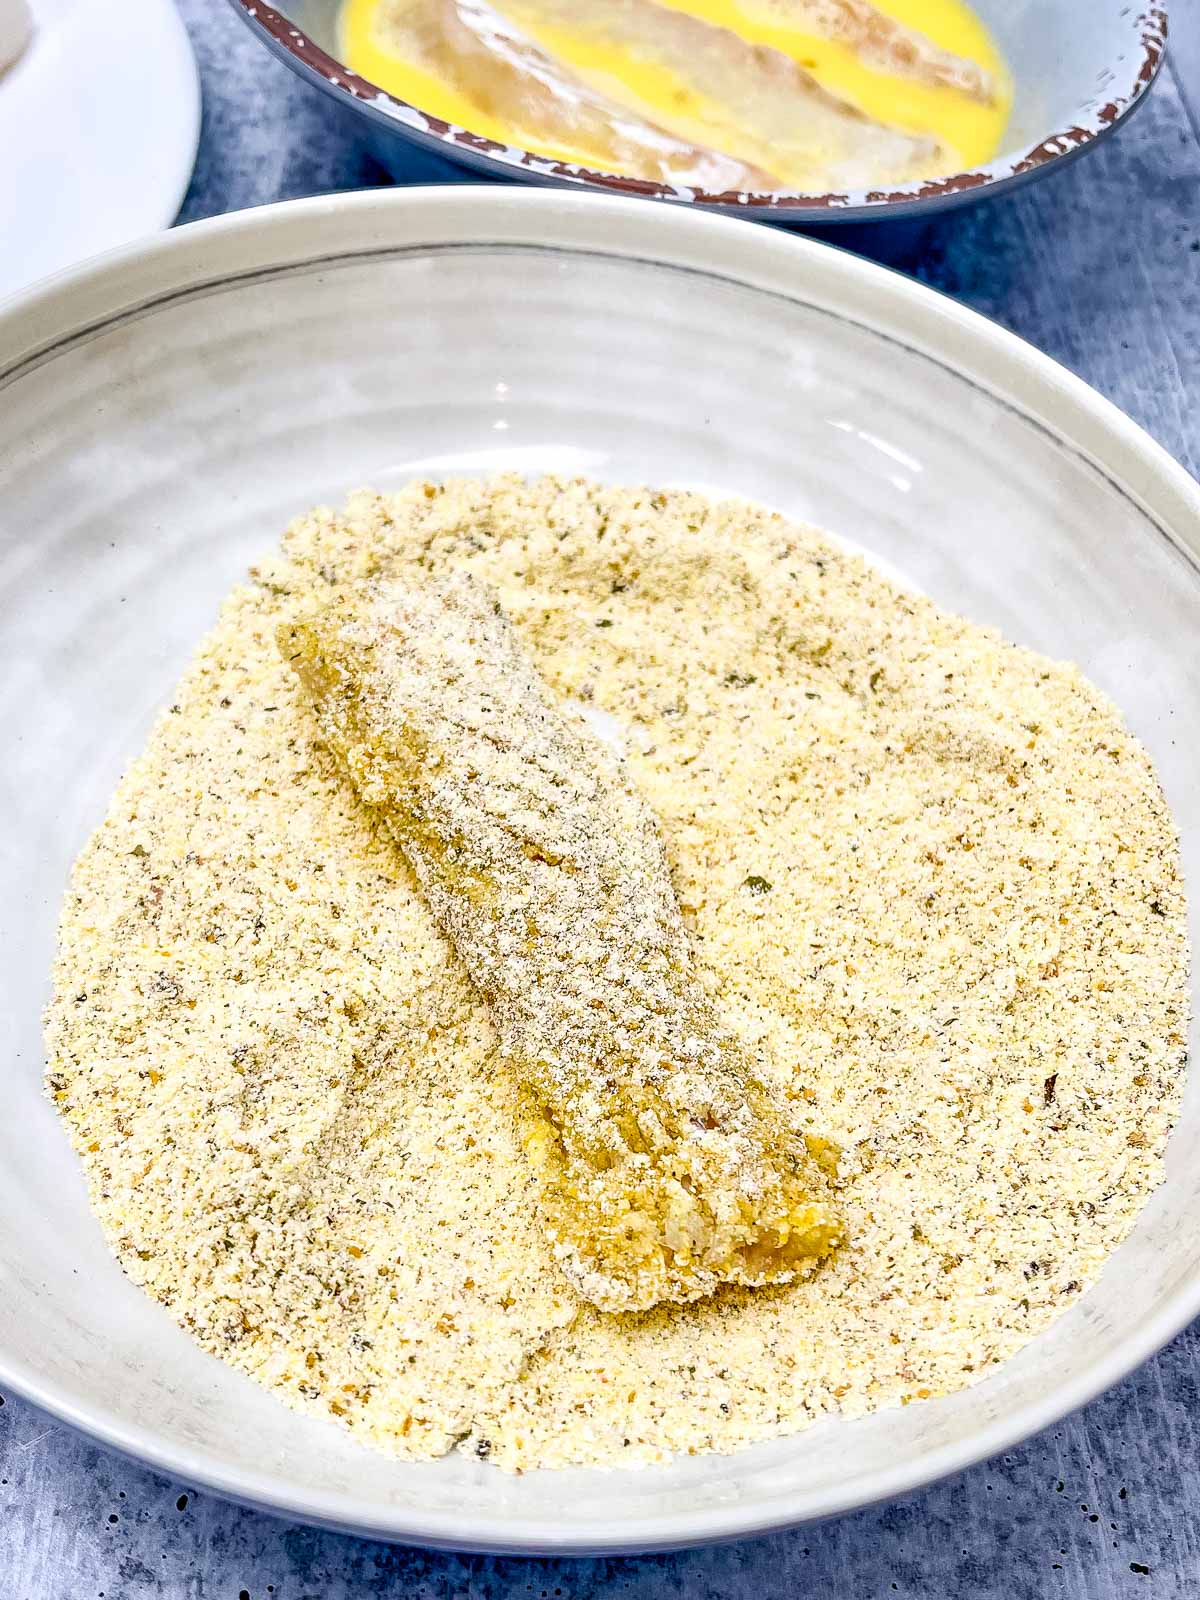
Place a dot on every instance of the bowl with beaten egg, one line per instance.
(801, 111)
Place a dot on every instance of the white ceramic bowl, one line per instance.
(1080, 67)
(164, 412)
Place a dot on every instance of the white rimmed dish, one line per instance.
(166, 410)
(99, 125)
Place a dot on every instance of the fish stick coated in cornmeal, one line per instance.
(666, 1166)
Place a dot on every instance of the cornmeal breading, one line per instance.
(930, 880)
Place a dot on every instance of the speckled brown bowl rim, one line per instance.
(1147, 37)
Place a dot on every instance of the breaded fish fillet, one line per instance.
(667, 1167)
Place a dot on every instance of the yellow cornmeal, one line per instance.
(928, 872)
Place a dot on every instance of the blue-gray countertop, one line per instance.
(1099, 266)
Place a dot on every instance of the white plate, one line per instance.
(162, 415)
(99, 123)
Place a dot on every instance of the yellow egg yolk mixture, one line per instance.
(725, 94)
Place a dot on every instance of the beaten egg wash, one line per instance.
(802, 95)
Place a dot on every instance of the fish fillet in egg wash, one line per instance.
(805, 96)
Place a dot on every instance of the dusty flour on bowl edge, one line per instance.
(928, 871)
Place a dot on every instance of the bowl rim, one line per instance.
(1102, 115)
(134, 280)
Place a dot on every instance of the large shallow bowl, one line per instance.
(164, 412)
(1080, 67)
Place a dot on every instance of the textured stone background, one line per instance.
(1100, 266)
